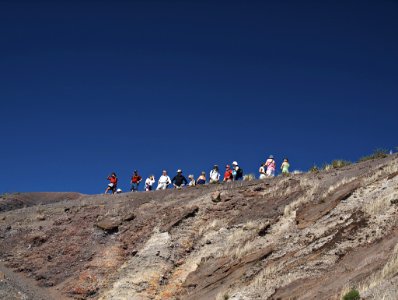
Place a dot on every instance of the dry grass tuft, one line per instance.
(249, 177)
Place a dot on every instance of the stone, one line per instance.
(216, 196)
(394, 201)
(109, 225)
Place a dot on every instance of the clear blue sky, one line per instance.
(91, 87)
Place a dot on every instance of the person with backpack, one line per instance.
(149, 183)
(135, 181)
(214, 175)
(179, 180)
(285, 167)
(262, 172)
(227, 174)
(112, 186)
(271, 166)
(163, 181)
(237, 172)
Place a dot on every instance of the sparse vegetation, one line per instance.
(249, 177)
(314, 169)
(352, 295)
(378, 153)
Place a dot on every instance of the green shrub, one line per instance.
(378, 153)
(352, 295)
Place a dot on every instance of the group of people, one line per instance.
(232, 173)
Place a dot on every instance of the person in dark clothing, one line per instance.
(179, 180)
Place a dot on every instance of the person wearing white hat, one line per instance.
(163, 181)
(237, 172)
(179, 180)
(271, 166)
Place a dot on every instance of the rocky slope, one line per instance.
(307, 236)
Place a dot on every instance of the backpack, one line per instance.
(239, 173)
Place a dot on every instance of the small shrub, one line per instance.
(249, 177)
(352, 295)
(378, 153)
(314, 169)
(339, 163)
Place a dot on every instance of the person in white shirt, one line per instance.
(262, 172)
(192, 181)
(163, 181)
(215, 175)
(149, 183)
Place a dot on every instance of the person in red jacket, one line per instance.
(112, 186)
(228, 173)
(135, 181)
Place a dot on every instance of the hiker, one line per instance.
(135, 181)
(201, 179)
(227, 174)
(192, 181)
(271, 166)
(285, 167)
(214, 175)
(164, 181)
(112, 186)
(237, 172)
(149, 183)
(179, 180)
(261, 170)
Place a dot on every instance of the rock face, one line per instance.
(307, 236)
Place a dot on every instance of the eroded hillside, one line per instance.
(305, 236)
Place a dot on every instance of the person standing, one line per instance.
(261, 170)
(285, 167)
(112, 186)
(215, 175)
(227, 174)
(135, 181)
(179, 180)
(149, 183)
(237, 172)
(163, 181)
(271, 166)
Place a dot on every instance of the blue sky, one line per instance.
(91, 87)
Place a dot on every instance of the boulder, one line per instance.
(109, 225)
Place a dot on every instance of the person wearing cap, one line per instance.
(163, 181)
(149, 183)
(201, 179)
(227, 174)
(192, 181)
(214, 175)
(135, 181)
(179, 180)
(237, 172)
(271, 166)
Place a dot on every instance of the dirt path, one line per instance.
(16, 286)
